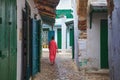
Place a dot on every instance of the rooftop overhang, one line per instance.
(47, 19)
(70, 24)
(97, 7)
(47, 10)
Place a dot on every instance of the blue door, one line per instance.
(50, 34)
(35, 48)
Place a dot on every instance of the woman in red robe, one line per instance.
(52, 50)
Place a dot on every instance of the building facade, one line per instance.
(93, 47)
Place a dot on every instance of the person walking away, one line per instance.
(52, 50)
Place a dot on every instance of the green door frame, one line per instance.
(104, 44)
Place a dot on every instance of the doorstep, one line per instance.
(100, 71)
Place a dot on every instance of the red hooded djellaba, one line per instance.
(52, 50)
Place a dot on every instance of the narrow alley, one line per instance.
(64, 69)
(83, 36)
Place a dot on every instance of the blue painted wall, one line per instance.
(114, 42)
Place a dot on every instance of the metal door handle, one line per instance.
(0, 53)
(0, 20)
(9, 23)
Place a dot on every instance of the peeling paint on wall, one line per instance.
(82, 6)
(110, 7)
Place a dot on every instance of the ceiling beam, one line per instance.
(46, 8)
(53, 15)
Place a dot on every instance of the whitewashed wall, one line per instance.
(97, 0)
(55, 34)
(20, 6)
(63, 29)
(93, 42)
(68, 39)
(76, 46)
(64, 4)
(34, 10)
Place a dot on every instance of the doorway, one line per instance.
(104, 44)
(59, 38)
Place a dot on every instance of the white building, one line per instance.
(63, 32)
(97, 32)
(96, 55)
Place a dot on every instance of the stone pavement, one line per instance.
(94, 75)
(64, 69)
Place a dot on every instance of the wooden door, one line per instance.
(59, 38)
(8, 40)
(104, 44)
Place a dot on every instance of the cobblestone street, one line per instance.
(64, 69)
